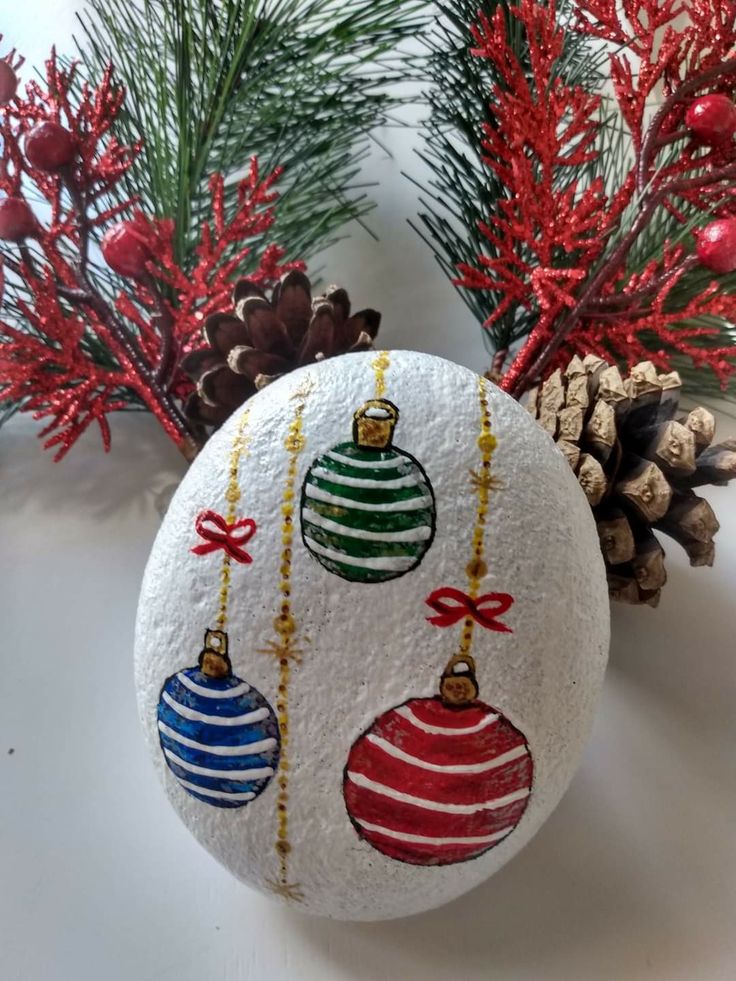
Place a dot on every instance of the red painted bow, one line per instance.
(452, 605)
(220, 533)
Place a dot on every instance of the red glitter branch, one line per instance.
(76, 341)
(564, 245)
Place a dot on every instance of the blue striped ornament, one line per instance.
(219, 736)
(368, 515)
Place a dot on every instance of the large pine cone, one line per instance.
(263, 339)
(637, 459)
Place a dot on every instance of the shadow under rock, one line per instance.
(682, 653)
(141, 471)
(567, 902)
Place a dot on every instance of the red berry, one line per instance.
(49, 146)
(8, 83)
(712, 118)
(125, 249)
(17, 221)
(716, 245)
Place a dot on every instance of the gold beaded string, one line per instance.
(284, 649)
(482, 483)
(380, 365)
(232, 496)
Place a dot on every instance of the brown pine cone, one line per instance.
(264, 339)
(638, 459)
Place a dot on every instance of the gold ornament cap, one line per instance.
(374, 424)
(458, 685)
(213, 660)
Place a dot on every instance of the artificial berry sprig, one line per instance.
(564, 242)
(81, 338)
(716, 245)
(712, 119)
(126, 249)
(50, 147)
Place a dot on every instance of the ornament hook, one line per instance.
(374, 424)
(458, 684)
(214, 660)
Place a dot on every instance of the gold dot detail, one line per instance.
(286, 628)
(477, 568)
(232, 497)
(380, 365)
(487, 442)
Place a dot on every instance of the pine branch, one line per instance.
(298, 83)
(594, 236)
(678, 229)
(77, 344)
(462, 191)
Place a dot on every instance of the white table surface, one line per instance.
(633, 877)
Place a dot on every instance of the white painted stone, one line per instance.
(370, 647)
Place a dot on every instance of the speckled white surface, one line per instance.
(371, 647)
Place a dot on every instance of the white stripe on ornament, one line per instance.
(217, 794)
(432, 805)
(420, 534)
(250, 749)
(399, 754)
(365, 464)
(412, 504)
(427, 840)
(406, 713)
(411, 480)
(241, 689)
(215, 720)
(257, 773)
(394, 563)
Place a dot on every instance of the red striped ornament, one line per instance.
(434, 784)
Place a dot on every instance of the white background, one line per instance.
(633, 877)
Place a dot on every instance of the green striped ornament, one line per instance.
(368, 515)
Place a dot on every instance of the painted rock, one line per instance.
(406, 626)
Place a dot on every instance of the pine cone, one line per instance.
(638, 460)
(264, 339)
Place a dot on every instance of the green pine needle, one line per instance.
(299, 83)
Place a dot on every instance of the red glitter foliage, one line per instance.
(563, 237)
(76, 343)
